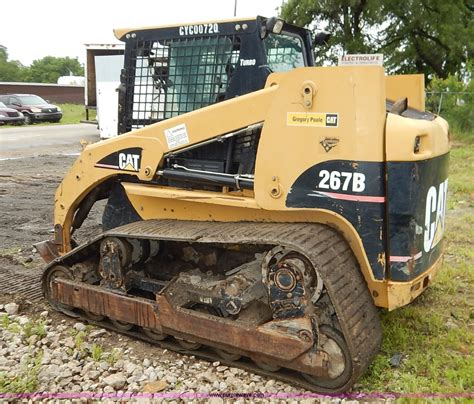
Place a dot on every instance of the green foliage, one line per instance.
(347, 21)
(34, 328)
(4, 321)
(10, 70)
(79, 340)
(45, 70)
(427, 36)
(49, 69)
(26, 381)
(96, 352)
(416, 36)
(454, 100)
(113, 356)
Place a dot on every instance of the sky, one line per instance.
(62, 27)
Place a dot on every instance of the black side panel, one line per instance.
(417, 194)
(353, 189)
(119, 210)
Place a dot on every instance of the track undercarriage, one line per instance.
(284, 300)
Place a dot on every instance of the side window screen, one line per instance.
(284, 52)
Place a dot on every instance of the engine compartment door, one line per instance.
(417, 151)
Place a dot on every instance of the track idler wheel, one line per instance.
(340, 364)
(153, 334)
(57, 271)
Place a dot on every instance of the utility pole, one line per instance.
(235, 8)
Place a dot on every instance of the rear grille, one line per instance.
(49, 110)
(13, 114)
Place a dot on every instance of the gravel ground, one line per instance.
(42, 351)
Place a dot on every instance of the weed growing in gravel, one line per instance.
(26, 381)
(79, 340)
(97, 352)
(37, 328)
(113, 357)
(4, 321)
(8, 252)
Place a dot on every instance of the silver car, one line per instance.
(10, 116)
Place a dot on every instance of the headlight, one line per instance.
(59, 110)
(34, 109)
(3, 113)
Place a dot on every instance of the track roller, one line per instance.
(121, 325)
(154, 335)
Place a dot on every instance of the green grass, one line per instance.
(461, 184)
(435, 332)
(72, 113)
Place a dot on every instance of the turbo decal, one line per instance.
(123, 160)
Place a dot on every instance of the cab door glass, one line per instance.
(284, 52)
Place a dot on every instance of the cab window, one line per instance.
(284, 52)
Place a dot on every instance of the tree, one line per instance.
(428, 36)
(349, 21)
(49, 69)
(10, 70)
(416, 36)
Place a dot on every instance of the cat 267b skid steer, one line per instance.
(258, 208)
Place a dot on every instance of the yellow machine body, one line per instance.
(292, 108)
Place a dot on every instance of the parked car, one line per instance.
(34, 108)
(10, 116)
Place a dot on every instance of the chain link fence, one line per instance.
(455, 106)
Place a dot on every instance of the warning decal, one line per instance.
(176, 136)
(320, 119)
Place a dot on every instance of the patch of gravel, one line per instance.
(60, 356)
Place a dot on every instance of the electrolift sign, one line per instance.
(371, 59)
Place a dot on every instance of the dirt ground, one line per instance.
(27, 187)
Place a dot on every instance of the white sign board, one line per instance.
(358, 59)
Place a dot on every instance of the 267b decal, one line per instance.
(341, 180)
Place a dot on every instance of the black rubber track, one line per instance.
(328, 252)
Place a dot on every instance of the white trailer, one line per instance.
(103, 65)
